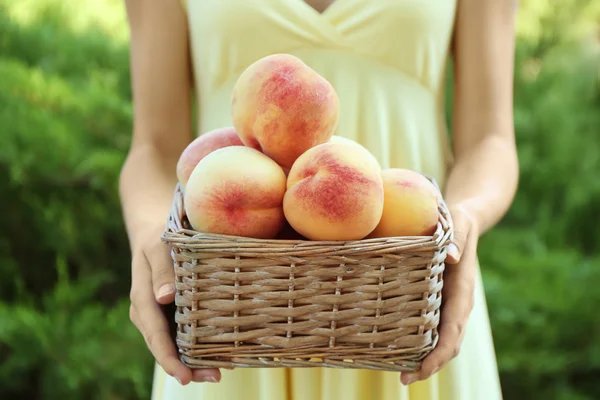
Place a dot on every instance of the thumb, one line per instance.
(453, 253)
(461, 230)
(163, 274)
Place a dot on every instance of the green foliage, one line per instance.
(64, 260)
(69, 337)
(541, 264)
(65, 116)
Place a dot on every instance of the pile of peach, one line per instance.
(279, 172)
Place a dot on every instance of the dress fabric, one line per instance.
(387, 60)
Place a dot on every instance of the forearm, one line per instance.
(146, 188)
(484, 180)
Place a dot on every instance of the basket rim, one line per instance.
(176, 234)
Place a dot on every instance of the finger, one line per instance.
(206, 375)
(462, 228)
(460, 279)
(154, 327)
(458, 293)
(459, 241)
(163, 274)
(451, 332)
(452, 254)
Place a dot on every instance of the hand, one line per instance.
(153, 285)
(457, 295)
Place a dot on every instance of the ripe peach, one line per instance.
(282, 107)
(201, 147)
(236, 191)
(410, 205)
(341, 139)
(334, 192)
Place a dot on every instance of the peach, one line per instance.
(288, 233)
(410, 204)
(282, 107)
(236, 191)
(341, 139)
(202, 146)
(334, 192)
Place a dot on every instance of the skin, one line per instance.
(320, 5)
(483, 180)
(480, 187)
(161, 82)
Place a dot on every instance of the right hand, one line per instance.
(153, 285)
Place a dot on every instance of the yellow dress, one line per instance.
(386, 60)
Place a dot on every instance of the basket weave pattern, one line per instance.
(369, 304)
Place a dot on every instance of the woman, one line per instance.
(386, 59)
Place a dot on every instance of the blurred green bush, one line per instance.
(65, 118)
(541, 264)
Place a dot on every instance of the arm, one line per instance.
(162, 128)
(484, 177)
(483, 180)
(162, 123)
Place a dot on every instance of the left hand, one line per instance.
(457, 295)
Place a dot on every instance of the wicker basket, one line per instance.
(369, 304)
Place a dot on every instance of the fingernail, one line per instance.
(165, 290)
(410, 380)
(211, 379)
(453, 251)
(178, 380)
